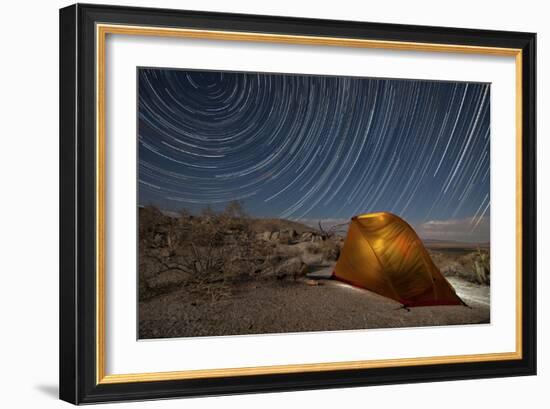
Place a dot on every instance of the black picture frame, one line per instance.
(78, 356)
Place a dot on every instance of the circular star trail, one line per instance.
(314, 147)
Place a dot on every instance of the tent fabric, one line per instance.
(382, 253)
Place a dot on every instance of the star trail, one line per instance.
(314, 147)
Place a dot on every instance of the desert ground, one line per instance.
(227, 274)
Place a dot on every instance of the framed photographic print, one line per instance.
(257, 203)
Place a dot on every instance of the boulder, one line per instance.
(284, 237)
(316, 238)
(331, 253)
(293, 267)
(291, 233)
(290, 268)
(306, 236)
(313, 283)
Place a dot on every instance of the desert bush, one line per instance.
(481, 265)
(211, 250)
(473, 266)
(314, 248)
(329, 250)
(150, 219)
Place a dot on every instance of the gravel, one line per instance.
(297, 306)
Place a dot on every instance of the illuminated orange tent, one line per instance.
(383, 254)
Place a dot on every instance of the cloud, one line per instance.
(467, 229)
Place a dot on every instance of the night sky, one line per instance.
(317, 147)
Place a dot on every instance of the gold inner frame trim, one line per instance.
(101, 33)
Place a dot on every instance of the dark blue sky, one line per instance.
(315, 147)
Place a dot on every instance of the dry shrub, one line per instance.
(328, 249)
(473, 266)
(314, 248)
(211, 250)
(482, 268)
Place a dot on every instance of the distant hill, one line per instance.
(449, 244)
(261, 225)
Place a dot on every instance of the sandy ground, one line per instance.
(287, 306)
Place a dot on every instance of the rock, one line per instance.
(304, 270)
(306, 236)
(312, 282)
(291, 233)
(284, 237)
(293, 267)
(331, 253)
(310, 236)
